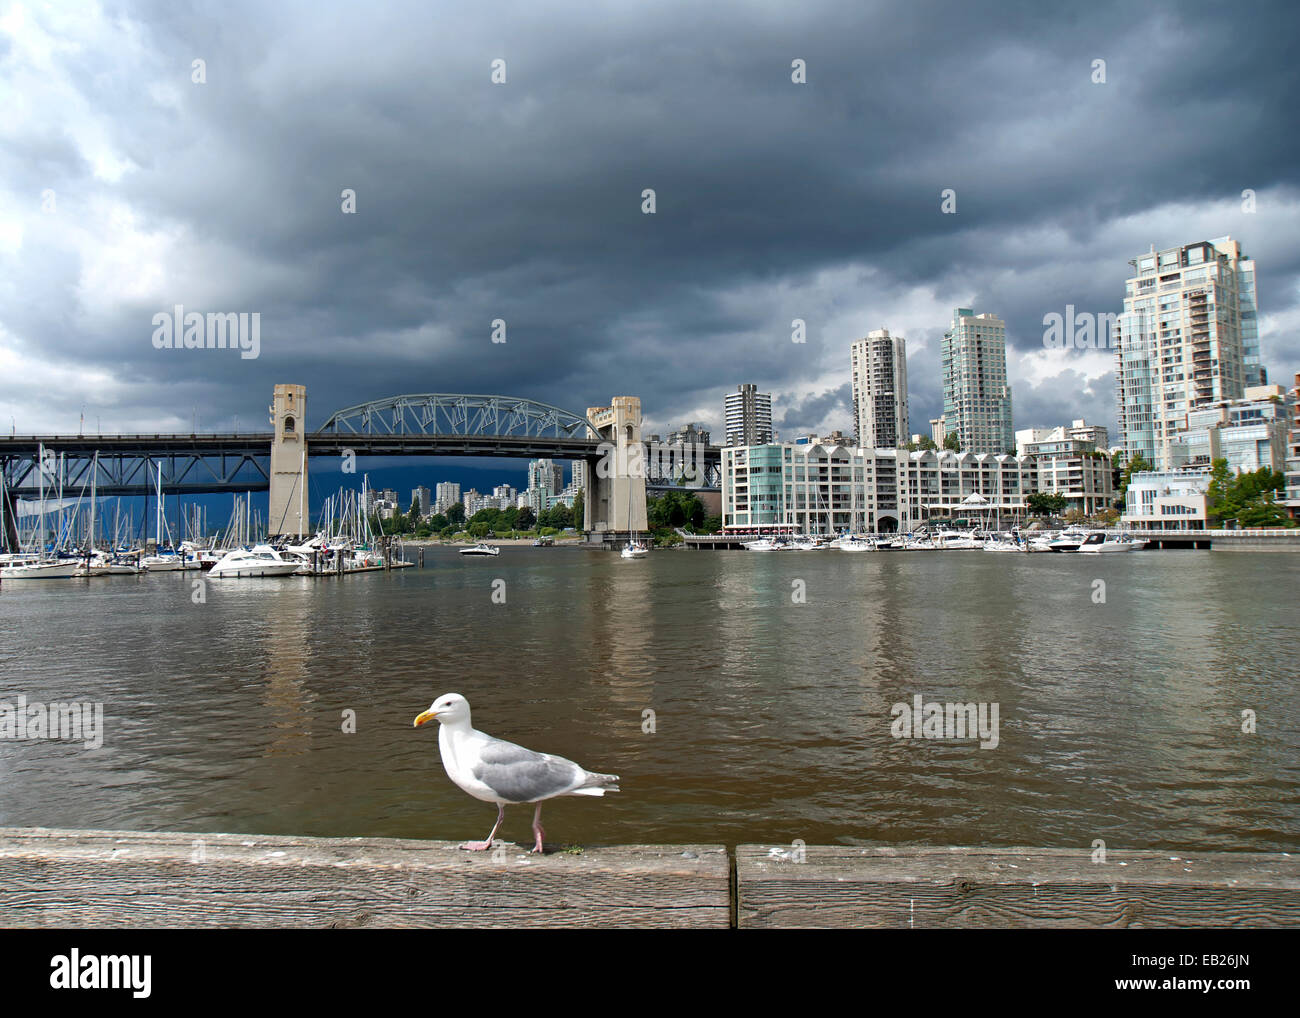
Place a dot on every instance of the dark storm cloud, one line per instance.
(522, 201)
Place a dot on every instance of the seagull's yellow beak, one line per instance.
(425, 718)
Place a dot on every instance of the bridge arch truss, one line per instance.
(464, 416)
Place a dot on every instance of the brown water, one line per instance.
(1119, 721)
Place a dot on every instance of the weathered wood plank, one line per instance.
(119, 879)
(903, 888)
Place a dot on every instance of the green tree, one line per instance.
(526, 519)
(437, 521)
(414, 512)
(951, 441)
(1134, 466)
(1046, 503)
(456, 515)
(579, 509)
(927, 444)
(1218, 494)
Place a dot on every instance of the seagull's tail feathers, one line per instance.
(597, 784)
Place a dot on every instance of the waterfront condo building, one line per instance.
(748, 416)
(1166, 500)
(425, 499)
(1250, 433)
(1096, 435)
(976, 396)
(818, 488)
(1074, 468)
(879, 364)
(1188, 337)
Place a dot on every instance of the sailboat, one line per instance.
(38, 566)
(635, 548)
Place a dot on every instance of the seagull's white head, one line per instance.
(449, 709)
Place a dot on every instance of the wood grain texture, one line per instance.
(930, 888)
(128, 879)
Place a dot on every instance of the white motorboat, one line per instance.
(635, 549)
(261, 560)
(764, 544)
(1069, 540)
(955, 540)
(168, 562)
(481, 549)
(1110, 544)
(855, 544)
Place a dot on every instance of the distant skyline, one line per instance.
(128, 187)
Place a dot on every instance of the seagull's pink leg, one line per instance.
(483, 846)
(538, 833)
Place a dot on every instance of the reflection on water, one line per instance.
(1119, 720)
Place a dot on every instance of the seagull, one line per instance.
(497, 771)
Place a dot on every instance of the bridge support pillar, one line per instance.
(289, 510)
(616, 480)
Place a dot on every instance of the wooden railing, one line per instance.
(124, 879)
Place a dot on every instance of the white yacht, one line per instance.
(764, 544)
(481, 549)
(1111, 543)
(955, 540)
(1069, 540)
(32, 567)
(635, 549)
(261, 560)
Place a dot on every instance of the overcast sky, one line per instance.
(127, 188)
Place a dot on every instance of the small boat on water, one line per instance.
(1069, 540)
(32, 567)
(260, 560)
(481, 549)
(635, 549)
(544, 542)
(765, 544)
(1110, 544)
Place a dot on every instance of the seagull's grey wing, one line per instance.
(521, 775)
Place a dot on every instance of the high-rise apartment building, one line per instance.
(448, 494)
(546, 475)
(748, 416)
(976, 396)
(578, 477)
(424, 497)
(880, 415)
(1188, 337)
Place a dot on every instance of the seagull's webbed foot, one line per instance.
(483, 846)
(538, 832)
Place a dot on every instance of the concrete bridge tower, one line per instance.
(616, 480)
(290, 511)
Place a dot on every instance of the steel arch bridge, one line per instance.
(465, 416)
